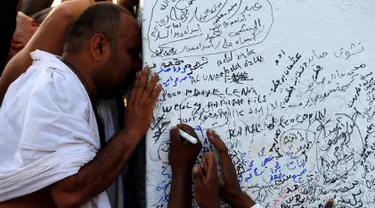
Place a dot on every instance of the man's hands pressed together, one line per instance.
(138, 114)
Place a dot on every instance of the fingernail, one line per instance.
(214, 132)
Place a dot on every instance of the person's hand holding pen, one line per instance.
(182, 153)
(182, 156)
(229, 189)
(184, 149)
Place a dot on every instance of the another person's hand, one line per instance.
(183, 154)
(206, 182)
(230, 190)
(329, 204)
(138, 113)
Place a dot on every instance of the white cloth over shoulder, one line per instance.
(48, 130)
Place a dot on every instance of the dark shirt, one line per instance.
(8, 14)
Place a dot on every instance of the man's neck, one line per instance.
(75, 65)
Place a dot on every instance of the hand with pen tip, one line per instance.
(182, 156)
(182, 153)
(209, 188)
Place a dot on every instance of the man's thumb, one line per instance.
(197, 175)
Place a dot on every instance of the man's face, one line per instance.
(125, 57)
(26, 27)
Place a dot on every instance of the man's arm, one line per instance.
(49, 37)
(181, 195)
(97, 175)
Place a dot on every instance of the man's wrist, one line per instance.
(182, 171)
(131, 134)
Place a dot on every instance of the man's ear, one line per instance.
(17, 43)
(100, 48)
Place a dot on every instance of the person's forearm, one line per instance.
(180, 195)
(97, 175)
(58, 21)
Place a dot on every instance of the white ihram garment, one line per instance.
(48, 130)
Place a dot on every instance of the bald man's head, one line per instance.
(108, 39)
(103, 18)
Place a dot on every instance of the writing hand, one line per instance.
(230, 190)
(138, 113)
(183, 154)
(206, 182)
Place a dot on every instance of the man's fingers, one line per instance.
(188, 129)
(142, 84)
(212, 168)
(205, 162)
(174, 135)
(154, 95)
(217, 142)
(197, 175)
(219, 145)
(225, 160)
(329, 204)
(149, 88)
(135, 87)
